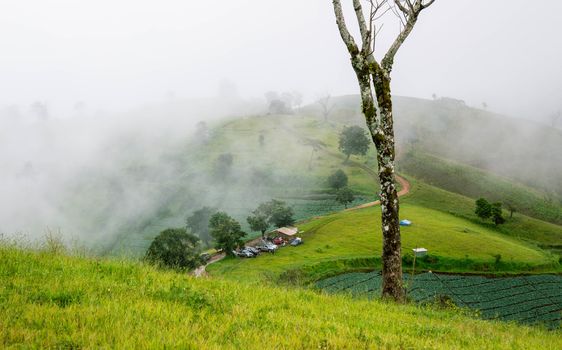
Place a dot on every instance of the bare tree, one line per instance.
(374, 82)
(326, 106)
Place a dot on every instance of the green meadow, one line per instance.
(49, 300)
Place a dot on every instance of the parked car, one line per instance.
(278, 240)
(297, 241)
(267, 247)
(244, 253)
(253, 250)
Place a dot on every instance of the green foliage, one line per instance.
(483, 208)
(226, 231)
(127, 305)
(198, 223)
(496, 213)
(280, 214)
(274, 212)
(345, 196)
(354, 140)
(259, 220)
(337, 180)
(175, 248)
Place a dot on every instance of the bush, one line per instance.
(175, 248)
(345, 196)
(483, 208)
(226, 231)
(337, 180)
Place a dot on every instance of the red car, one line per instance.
(278, 240)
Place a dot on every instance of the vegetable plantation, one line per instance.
(526, 299)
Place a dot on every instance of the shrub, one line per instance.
(175, 248)
(337, 180)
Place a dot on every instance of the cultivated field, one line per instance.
(525, 299)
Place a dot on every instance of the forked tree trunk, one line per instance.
(374, 76)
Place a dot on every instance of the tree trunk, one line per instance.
(382, 133)
(392, 285)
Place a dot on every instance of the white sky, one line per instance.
(117, 54)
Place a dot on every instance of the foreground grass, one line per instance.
(54, 301)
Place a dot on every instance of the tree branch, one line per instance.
(345, 35)
(365, 32)
(411, 14)
(427, 5)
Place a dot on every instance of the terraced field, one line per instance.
(525, 299)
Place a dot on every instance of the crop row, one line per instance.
(528, 299)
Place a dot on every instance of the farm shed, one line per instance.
(287, 232)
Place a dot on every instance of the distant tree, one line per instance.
(484, 105)
(483, 208)
(316, 146)
(226, 232)
(273, 213)
(271, 96)
(198, 223)
(280, 213)
(175, 248)
(345, 196)
(496, 213)
(223, 165)
(354, 140)
(512, 208)
(201, 132)
(325, 106)
(261, 140)
(337, 180)
(259, 220)
(434, 96)
(279, 107)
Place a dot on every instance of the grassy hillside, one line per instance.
(297, 155)
(476, 183)
(145, 183)
(455, 244)
(54, 301)
(534, 231)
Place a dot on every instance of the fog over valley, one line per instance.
(114, 117)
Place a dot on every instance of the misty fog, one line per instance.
(99, 100)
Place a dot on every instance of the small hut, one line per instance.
(287, 232)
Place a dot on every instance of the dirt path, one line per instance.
(201, 270)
